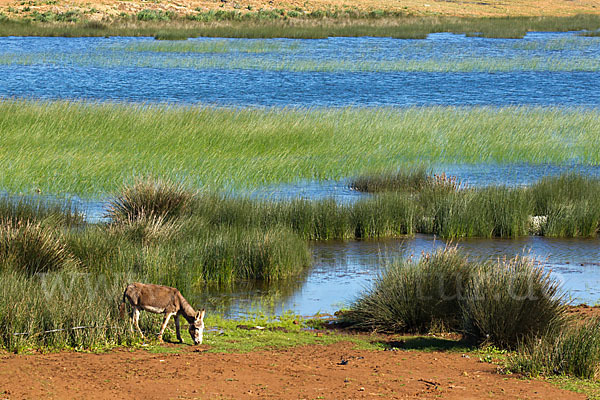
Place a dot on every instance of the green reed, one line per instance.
(92, 149)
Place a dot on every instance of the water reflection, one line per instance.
(341, 270)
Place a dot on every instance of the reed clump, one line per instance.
(414, 296)
(32, 248)
(570, 203)
(510, 300)
(500, 303)
(58, 302)
(15, 209)
(404, 181)
(150, 198)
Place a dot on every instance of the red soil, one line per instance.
(306, 372)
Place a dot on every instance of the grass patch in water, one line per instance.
(92, 149)
(233, 56)
(212, 46)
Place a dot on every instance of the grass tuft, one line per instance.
(414, 296)
(32, 248)
(509, 301)
(150, 198)
(499, 304)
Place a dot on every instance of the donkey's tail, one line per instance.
(123, 304)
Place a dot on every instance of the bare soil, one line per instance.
(98, 9)
(336, 371)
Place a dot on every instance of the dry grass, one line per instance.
(470, 8)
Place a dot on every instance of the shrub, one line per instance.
(574, 350)
(153, 15)
(508, 301)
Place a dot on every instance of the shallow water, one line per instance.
(444, 69)
(342, 270)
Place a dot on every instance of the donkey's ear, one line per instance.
(200, 315)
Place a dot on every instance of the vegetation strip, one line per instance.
(91, 149)
(269, 24)
(550, 63)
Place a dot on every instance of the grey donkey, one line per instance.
(162, 300)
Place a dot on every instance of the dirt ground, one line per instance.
(98, 9)
(335, 371)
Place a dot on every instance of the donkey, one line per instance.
(162, 300)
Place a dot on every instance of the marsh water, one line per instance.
(444, 69)
(342, 270)
(558, 69)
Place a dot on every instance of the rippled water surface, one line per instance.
(445, 69)
(342, 270)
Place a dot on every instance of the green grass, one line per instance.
(290, 24)
(92, 149)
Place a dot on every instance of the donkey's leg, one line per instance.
(136, 318)
(164, 325)
(177, 328)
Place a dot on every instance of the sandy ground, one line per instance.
(97, 9)
(308, 372)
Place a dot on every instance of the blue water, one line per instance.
(109, 69)
(343, 270)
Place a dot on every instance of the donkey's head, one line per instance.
(197, 327)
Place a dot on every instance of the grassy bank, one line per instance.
(281, 23)
(91, 149)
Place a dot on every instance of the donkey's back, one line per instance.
(153, 298)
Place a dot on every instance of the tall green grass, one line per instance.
(70, 146)
(31, 305)
(292, 24)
